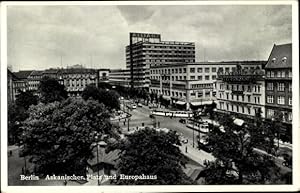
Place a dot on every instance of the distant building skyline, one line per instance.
(41, 37)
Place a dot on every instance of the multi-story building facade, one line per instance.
(34, 80)
(191, 84)
(76, 79)
(148, 50)
(241, 91)
(119, 77)
(279, 82)
(10, 87)
(22, 83)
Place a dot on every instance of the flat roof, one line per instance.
(255, 62)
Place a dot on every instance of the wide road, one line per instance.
(141, 115)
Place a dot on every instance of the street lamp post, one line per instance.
(128, 123)
(96, 139)
(65, 181)
(25, 168)
(193, 133)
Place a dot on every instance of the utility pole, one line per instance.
(131, 60)
(61, 61)
(203, 54)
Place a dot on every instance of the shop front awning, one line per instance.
(166, 97)
(180, 103)
(238, 122)
(199, 103)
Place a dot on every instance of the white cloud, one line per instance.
(39, 35)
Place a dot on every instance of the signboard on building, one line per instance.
(144, 37)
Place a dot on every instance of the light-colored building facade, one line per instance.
(10, 87)
(242, 90)
(148, 50)
(34, 80)
(192, 84)
(119, 77)
(279, 82)
(76, 79)
(22, 83)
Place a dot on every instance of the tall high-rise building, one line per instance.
(147, 50)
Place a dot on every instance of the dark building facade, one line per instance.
(279, 82)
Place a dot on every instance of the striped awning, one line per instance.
(199, 103)
(180, 103)
(166, 97)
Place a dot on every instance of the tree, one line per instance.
(16, 114)
(236, 161)
(104, 85)
(109, 98)
(278, 128)
(151, 152)
(25, 99)
(209, 109)
(51, 90)
(90, 91)
(58, 136)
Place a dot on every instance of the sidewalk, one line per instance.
(12, 147)
(197, 155)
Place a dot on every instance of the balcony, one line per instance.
(278, 78)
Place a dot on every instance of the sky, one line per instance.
(41, 37)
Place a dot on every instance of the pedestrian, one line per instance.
(65, 182)
(186, 149)
(10, 153)
(22, 170)
(124, 122)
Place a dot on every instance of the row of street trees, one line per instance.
(237, 159)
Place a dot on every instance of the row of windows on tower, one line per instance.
(279, 74)
(238, 87)
(242, 98)
(280, 100)
(174, 78)
(280, 86)
(183, 70)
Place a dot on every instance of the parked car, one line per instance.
(203, 145)
(139, 105)
(133, 106)
(183, 121)
(182, 139)
(287, 160)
